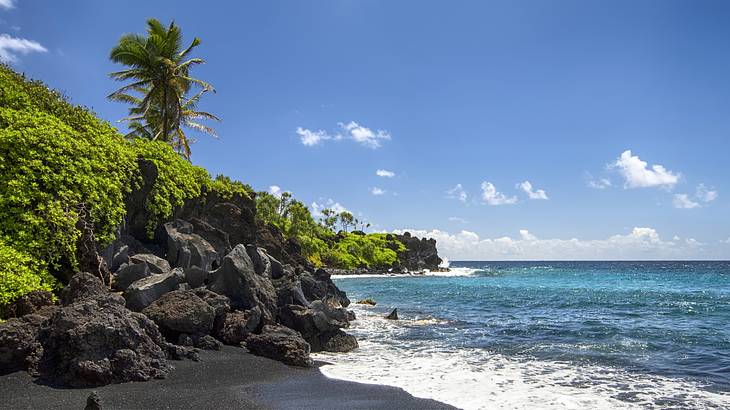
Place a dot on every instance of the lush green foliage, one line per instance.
(20, 274)
(354, 250)
(63, 170)
(57, 163)
(160, 86)
(319, 242)
(226, 188)
(177, 180)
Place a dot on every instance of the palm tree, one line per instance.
(160, 86)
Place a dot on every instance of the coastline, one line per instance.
(229, 378)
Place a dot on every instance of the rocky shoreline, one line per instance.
(206, 279)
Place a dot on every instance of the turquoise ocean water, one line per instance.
(548, 334)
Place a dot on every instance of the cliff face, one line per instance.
(420, 253)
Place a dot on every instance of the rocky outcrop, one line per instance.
(181, 312)
(143, 292)
(92, 339)
(393, 315)
(237, 279)
(282, 344)
(185, 248)
(420, 254)
(288, 251)
(316, 323)
(18, 342)
(319, 286)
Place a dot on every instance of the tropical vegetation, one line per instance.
(163, 94)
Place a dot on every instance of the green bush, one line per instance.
(177, 180)
(57, 162)
(367, 251)
(20, 274)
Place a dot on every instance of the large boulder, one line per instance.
(237, 279)
(181, 311)
(130, 273)
(316, 323)
(337, 341)
(239, 325)
(94, 340)
(143, 292)
(282, 344)
(195, 276)
(289, 289)
(220, 304)
(319, 286)
(186, 248)
(156, 264)
(261, 262)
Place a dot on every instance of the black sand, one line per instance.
(228, 379)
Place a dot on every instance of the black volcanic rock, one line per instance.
(237, 279)
(420, 253)
(282, 344)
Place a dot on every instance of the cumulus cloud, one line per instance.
(12, 47)
(532, 194)
(365, 136)
(351, 130)
(640, 243)
(310, 138)
(491, 196)
(638, 174)
(317, 207)
(377, 191)
(384, 173)
(704, 194)
(7, 4)
(457, 192)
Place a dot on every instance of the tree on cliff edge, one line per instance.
(161, 90)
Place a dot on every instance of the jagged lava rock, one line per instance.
(282, 344)
(237, 279)
(186, 248)
(156, 264)
(130, 273)
(239, 325)
(141, 293)
(181, 311)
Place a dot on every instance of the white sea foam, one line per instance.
(473, 378)
(451, 272)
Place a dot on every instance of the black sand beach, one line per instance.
(227, 379)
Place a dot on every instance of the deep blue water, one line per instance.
(669, 319)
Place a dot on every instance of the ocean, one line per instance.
(527, 335)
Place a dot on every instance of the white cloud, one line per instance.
(377, 191)
(682, 201)
(457, 219)
(328, 204)
(704, 194)
(7, 4)
(365, 136)
(600, 183)
(536, 194)
(352, 130)
(385, 173)
(638, 174)
(11, 47)
(457, 192)
(309, 137)
(640, 243)
(491, 196)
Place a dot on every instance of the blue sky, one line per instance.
(482, 95)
